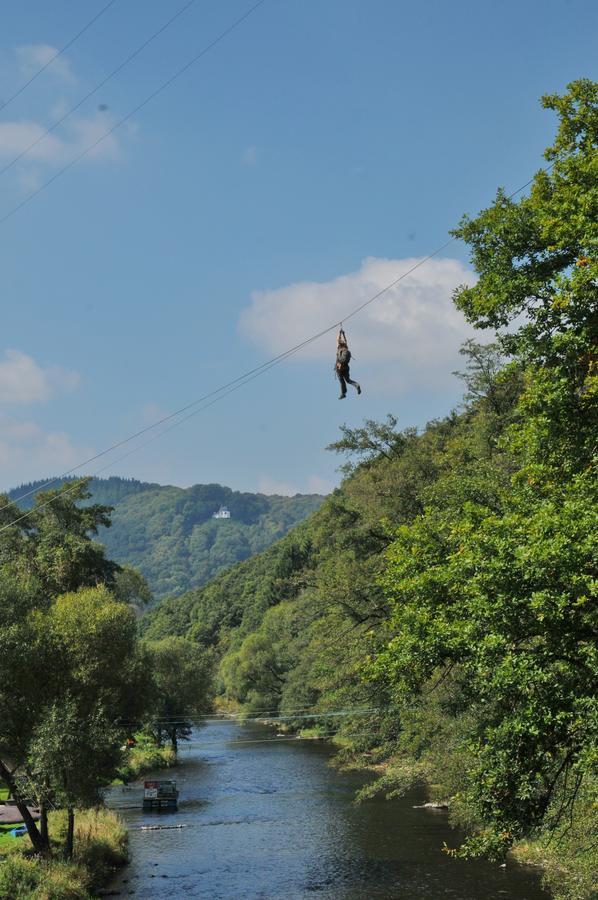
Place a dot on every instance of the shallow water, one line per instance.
(273, 820)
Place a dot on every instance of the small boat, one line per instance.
(160, 795)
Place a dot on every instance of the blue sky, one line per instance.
(303, 163)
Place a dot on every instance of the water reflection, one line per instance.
(272, 820)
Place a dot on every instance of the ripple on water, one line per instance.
(274, 821)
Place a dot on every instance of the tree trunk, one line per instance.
(174, 740)
(70, 833)
(40, 845)
(43, 823)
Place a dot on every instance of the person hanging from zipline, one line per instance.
(343, 357)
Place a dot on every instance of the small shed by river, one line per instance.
(160, 795)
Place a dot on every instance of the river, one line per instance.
(271, 820)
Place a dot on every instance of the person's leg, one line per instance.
(343, 393)
(354, 383)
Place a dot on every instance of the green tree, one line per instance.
(24, 687)
(181, 675)
(75, 652)
(53, 541)
(99, 683)
(369, 442)
(498, 581)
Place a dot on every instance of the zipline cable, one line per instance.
(221, 392)
(241, 380)
(98, 87)
(264, 367)
(70, 43)
(220, 37)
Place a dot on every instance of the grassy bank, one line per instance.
(569, 858)
(566, 872)
(100, 848)
(144, 757)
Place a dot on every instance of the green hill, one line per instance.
(170, 535)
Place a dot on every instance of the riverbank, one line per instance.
(569, 867)
(144, 757)
(100, 843)
(566, 858)
(567, 863)
(100, 849)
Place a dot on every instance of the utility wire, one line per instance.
(281, 740)
(258, 711)
(259, 714)
(70, 43)
(241, 380)
(269, 715)
(98, 87)
(256, 715)
(220, 37)
(166, 720)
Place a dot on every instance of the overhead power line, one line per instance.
(98, 87)
(199, 745)
(290, 717)
(46, 65)
(165, 84)
(219, 393)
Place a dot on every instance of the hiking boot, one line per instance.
(358, 386)
(342, 396)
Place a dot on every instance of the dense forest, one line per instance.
(448, 586)
(169, 535)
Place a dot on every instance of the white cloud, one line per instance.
(17, 136)
(23, 381)
(69, 140)
(27, 452)
(32, 57)
(78, 134)
(411, 332)
(86, 131)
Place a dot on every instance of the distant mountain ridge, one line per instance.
(169, 533)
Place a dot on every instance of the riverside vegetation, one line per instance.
(450, 582)
(75, 683)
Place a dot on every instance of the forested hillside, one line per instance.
(169, 535)
(450, 583)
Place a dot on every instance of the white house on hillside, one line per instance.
(223, 513)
